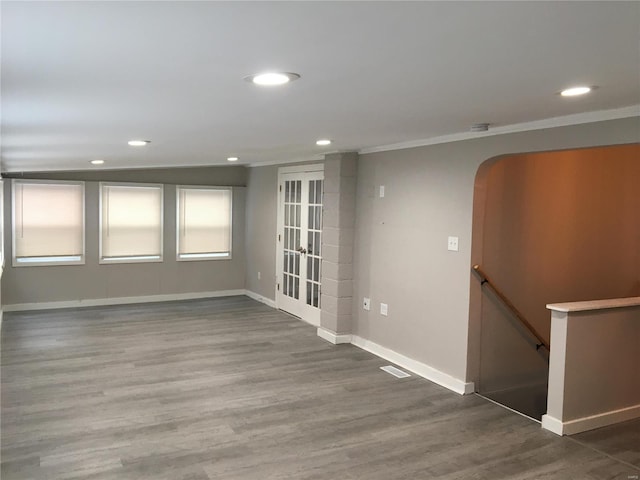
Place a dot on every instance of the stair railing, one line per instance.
(484, 279)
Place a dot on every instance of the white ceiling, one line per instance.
(79, 79)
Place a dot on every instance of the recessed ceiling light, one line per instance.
(323, 142)
(97, 162)
(138, 143)
(575, 91)
(232, 159)
(271, 79)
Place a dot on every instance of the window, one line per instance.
(130, 223)
(204, 223)
(48, 222)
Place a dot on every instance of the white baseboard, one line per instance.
(419, 368)
(99, 302)
(552, 424)
(589, 423)
(260, 298)
(332, 337)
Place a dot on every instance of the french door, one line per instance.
(299, 255)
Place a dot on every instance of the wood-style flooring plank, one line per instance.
(231, 389)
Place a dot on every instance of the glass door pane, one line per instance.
(314, 239)
(292, 233)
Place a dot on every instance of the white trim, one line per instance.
(552, 424)
(332, 337)
(260, 298)
(98, 302)
(564, 121)
(133, 258)
(419, 368)
(590, 423)
(193, 257)
(314, 158)
(314, 167)
(14, 260)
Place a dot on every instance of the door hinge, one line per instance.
(278, 237)
(280, 187)
(278, 287)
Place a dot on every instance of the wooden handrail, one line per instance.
(484, 279)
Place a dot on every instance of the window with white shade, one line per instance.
(204, 223)
(48, 222)
(130, 223)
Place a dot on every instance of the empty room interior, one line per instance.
(320, 240)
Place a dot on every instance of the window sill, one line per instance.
(199, 257)
(138, 259)
(47, 261)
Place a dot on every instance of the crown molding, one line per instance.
(564, 121)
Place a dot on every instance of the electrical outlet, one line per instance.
(384, 309)
(259, 275)
(366, 303)
(452, 244)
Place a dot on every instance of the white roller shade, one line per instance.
(131, 221)
(48, 219)
(204, 221)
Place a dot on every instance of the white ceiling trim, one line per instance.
(564, 121)
(315, 158)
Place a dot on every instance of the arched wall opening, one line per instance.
(547, 227)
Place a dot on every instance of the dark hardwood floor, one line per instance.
(231, 389)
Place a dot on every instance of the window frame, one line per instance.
(51, 259)
(203, 256)
(132, 259)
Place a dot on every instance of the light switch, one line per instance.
(452, 244)
(381, 191)
(384, 309)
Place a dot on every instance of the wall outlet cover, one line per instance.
(366, 303)
(452, 244)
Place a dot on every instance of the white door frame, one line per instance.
(307, 168)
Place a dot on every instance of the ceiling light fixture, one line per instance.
(97, 162)
(272, 79)
(575, 91)
(323, 142)
(139, 143)
(232, 159)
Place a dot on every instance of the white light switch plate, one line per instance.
(381, 191)
(452, 244)
(384, 309)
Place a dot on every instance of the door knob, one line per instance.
(302, 250)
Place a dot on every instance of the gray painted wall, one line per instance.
(95, 281)
(262, 204)
(401, 255)
(401, 240)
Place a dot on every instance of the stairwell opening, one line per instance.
(548, 227)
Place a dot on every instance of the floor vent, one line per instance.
(396, 372)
